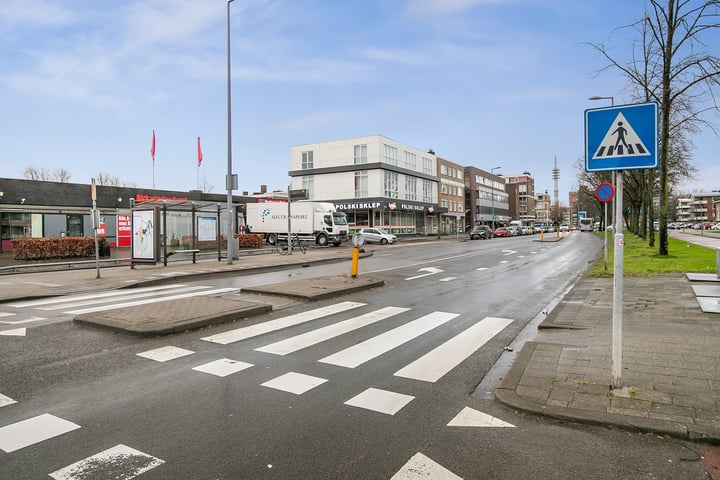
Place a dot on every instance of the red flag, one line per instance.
(199, 153)
(152, 146)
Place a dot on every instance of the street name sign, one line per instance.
(622, 137)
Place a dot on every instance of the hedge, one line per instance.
(46, 248)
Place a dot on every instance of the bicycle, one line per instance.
(295, 243)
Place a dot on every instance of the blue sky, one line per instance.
(482, 82)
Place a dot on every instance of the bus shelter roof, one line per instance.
(182, 205)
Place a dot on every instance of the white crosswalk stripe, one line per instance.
(280, 323)
(96, 295)
(128, 296)
(120, 461)
(33, 430)
(433, 365)
(153, 300)
(313, 337)
(358, 354)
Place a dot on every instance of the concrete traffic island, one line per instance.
(319, 287)
(179, 315)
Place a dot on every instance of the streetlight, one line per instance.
(229, 178)
(595, 97)
(492, 197)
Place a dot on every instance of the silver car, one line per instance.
(377, 235)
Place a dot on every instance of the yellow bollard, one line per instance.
(355, 257)
(542, 234)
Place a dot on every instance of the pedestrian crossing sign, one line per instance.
(621, 137)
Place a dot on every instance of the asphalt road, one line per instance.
(263, 421)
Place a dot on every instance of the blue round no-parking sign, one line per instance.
(605, 192)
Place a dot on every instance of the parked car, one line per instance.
(502, 232)
(481, 232)
(377, 235)
(514, 231)
(564, 228)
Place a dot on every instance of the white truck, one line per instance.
(310, 221)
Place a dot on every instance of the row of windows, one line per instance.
(452, 190)
(453, 206)
(451, 172)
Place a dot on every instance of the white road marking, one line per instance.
(163, 354)
(120, 462)
(505, 261)
(152, 300)
(16, 332)
(508, 252)
(313, 337)
(33, 430)
(27, 320)
(420, 467)
(43, 284)
(469, 417)
(481, 268)
(296, 383)
(280, 323)
(435, 364)
(447, 279)
(128, 296)
(223, 367)
(428, 270)
(6, 400)
(380, 401)
(6, 314)
(358, 354)
(114, 293)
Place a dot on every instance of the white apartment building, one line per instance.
(376, 181)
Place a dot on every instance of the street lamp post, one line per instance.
(492, 196)
(229, 178)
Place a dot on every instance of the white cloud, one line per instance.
(34, 12)
(443, 7)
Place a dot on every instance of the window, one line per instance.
(443, 169)
(307, 160)
(427, 165)
(361, 185)
(391, 184)
(410, 161)
(391, 155)
(308, 183)
(427, 191)
(410, 188)
(360, 154)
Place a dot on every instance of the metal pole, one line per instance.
(605, 249)
(95, 221)
(289, 241)
(618, 287)
(229, 179)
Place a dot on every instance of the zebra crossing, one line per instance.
(96, 302)
(429, 367)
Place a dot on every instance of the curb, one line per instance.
(506, 393)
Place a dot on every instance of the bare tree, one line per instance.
(107, 179)
(61, 175)
(673, 66)
(43, 174)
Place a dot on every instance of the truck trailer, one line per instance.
(318, 222)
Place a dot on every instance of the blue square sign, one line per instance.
(621, 137)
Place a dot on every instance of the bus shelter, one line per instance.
(163, 228)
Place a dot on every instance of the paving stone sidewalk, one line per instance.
(671, 360)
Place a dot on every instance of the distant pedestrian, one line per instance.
(246, 229)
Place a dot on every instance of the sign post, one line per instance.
(605, 193)
(95, 224)
(620, 138)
